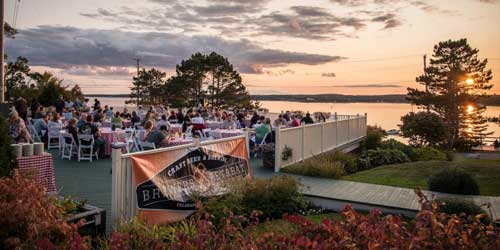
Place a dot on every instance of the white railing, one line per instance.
(123, 196)
(309, 140)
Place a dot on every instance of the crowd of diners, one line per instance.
(79, 117)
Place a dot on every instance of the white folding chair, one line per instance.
(203, 135)
(33, 134)
(67, 147)
(54, 133)
(124, 141)
(86, 144)
(146, 145)
(189, 131)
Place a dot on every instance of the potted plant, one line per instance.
(287, 153)
(95, 218)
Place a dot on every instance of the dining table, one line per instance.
(225, 133)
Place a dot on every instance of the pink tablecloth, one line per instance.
(43, 167)
(213, 125)
(176, 128)
(108, 135)
(225, 133)
(177, 142)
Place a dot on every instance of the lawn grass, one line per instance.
(415, 174)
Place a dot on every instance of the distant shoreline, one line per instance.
(492, 100)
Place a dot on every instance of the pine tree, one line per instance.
(456, 79)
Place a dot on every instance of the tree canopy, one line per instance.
(45, 87)
(423, 129)
(209, 78)
(456, 79)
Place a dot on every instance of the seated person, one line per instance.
(148, 128)
(229, 123)
(73, 130)
(125, 114)
(295, 121)
(17, 129)
(41, 127)
(159, 137)
(56, 121)
(262, 131)
(198, 123)
(163, 122)
(135, 119)
(280, 121)
(39, 113)
(172, 117)
(117, 119)
(261, 121)
(89, 128)
(110, 113)
(307, 119)
(82, 120)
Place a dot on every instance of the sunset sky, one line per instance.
(279, 47)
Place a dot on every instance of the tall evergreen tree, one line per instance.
(456, 79)
(147, 87)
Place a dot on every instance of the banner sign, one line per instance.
(165, 181)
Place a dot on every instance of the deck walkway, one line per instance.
(92, 182)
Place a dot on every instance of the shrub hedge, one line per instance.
(379, 157)
(393, 144)
(272, 197)
(328, 165)
(454, 181)
(430, 154)
(461, 206)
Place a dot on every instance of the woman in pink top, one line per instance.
(295, 121)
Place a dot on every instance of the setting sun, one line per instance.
(470, 109)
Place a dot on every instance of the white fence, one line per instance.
(123, 196)
(309, 140)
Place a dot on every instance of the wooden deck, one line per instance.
(92, 182)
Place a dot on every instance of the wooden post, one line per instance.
(116, 183)
(196, 141)
(303, 140)
(277, 150)
(247, 140)
(322, 135)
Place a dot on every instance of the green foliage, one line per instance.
(272, 197)
(209, 76)
(423, 128)
(7, 158)
(454, 181)
(287, 153)
(393, 144)
(146, 234)
(452, 63)
(379, 157)
(373, 138)
(69, 205)
(148, 86)
(21, 81)
(461, 206)
(430, 154)
(328, 165)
